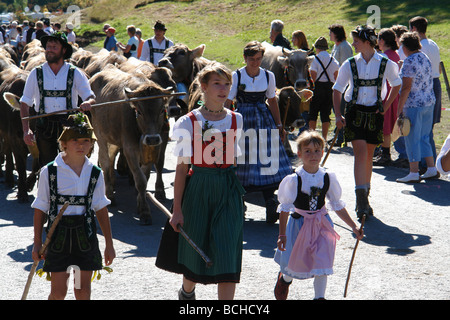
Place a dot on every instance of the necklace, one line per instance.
(218, 111)
(202, 104)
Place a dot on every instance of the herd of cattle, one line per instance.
(138, 130)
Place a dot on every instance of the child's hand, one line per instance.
(35, 253)
(358, 232)
(177, 219)
(281, 243)
(110, 254)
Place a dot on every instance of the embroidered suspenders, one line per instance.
(55, 93)
(377, 82)
(59, 199)
(155, 50)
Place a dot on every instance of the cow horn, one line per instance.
(285, 51)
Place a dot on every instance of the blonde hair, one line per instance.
(310, 136)
(214, 68)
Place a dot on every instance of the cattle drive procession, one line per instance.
(146, 170)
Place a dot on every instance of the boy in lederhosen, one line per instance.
(366, 75)
(72, 177)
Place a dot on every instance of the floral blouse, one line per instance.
(418, 67)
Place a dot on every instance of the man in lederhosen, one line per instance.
(153, 49)
(53, 86)
(366, 75)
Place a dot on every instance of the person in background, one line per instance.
(416, 102)
(431, 49)
(324, 70)
(71, 37)
(342, 50)
(399, 144)
(299, 40)
(141, 42)
(153, 49)
(276, 34)
(254, 90)
(130, 49)
(387, 43)
(110, 43)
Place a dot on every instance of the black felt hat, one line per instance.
(61, 37)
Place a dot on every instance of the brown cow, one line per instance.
(184, 64)
(101, 59)
(139, 129)
(13, 81)
(290, 67)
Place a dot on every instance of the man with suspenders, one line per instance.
(53, 86)
(153, 49)
(324, 70)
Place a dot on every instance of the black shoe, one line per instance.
(271, 211)
(383, 160)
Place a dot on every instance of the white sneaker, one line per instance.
(412, 177)
(431, 173)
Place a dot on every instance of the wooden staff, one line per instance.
(42, 250)
(353, 257)
(444, 73)
(103, 104)
(331, 147)
(207, 260)
(288, 104)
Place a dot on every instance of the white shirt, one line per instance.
(431, 49)
(444, 149)
(287, 191)
(133, 41)
(69, 183)
(80, 88)
(71, 37)
(145, 54)
(256, 84)
(367, 96)
(325, 59)
(183, 132)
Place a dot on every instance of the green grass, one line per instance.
(225, 26)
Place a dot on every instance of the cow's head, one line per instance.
(296, 67)
(292, 104)
(150, 114)
(179, 59)
(163, 77)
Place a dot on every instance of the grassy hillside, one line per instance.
(225, 26)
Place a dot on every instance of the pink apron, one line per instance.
(314, 248)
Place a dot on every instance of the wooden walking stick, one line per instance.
(98, 105)
(207, 260)
(331, 147)
(42, 250)
(353, 257)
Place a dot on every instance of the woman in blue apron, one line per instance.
(262, 166)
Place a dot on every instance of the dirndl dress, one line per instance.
(264, 161)
(213, 215)
(310, 237)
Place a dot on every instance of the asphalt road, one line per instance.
(404, 255)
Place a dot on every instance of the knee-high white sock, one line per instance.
(320, 285)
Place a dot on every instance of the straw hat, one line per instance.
(401, 128)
